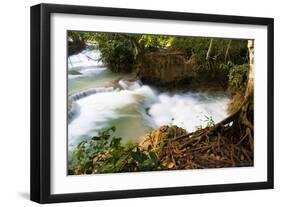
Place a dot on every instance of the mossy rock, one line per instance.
(74, 72)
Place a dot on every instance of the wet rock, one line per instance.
(74, 72)
(156, 138)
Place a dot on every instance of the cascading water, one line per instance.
(189, 110)
(124, 109)
(87, 58)
(134, 109)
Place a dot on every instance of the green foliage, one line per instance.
(238, 76)
(155, 41)
(209, 122)
(224, 55)
(193, 46)
(198, 47)
(238, 52)
(105, 153)
(225, 63)
(76, 42)
(116, 51)
(83, 36)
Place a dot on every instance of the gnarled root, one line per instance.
(228, 143)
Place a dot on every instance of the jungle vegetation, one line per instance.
(225, 144)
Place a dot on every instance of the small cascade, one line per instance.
(84, 59)
(101, 108)
(83, 94)
(129, 85)
(189, 110)
(74, 111)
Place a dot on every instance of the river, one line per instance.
(132, 107)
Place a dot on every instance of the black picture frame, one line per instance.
(41, 99)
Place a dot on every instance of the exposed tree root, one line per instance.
(228, 143)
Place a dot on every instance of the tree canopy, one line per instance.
(120, 51)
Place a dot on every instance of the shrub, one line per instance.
(238, 76)
(116, 51)
(105, 153)
(155, 41)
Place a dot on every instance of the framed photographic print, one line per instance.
(132, 103)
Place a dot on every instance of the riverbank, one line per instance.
(167, 148)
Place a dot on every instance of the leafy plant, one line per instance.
(105, 153)
(238, 76)
(209, 121)
(155, 41)
(116, 51)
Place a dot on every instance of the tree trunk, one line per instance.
(250, 84)
(137, 49)
(138, 52)
(247, 110)
(227, 51)
(209, 49)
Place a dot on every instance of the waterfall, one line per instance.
(75, 109)
(189, 110)
(137, 109)
(72, 113)
(84, 59)
(99, 98)
(125, 109)
(83, 94)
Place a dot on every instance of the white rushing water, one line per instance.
(135, 109)
(124, 109)
(87, 58)
(189, 110)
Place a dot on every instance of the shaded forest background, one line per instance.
(224, 61)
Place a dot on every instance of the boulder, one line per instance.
(153, 139)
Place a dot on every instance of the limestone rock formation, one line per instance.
(166, 67)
